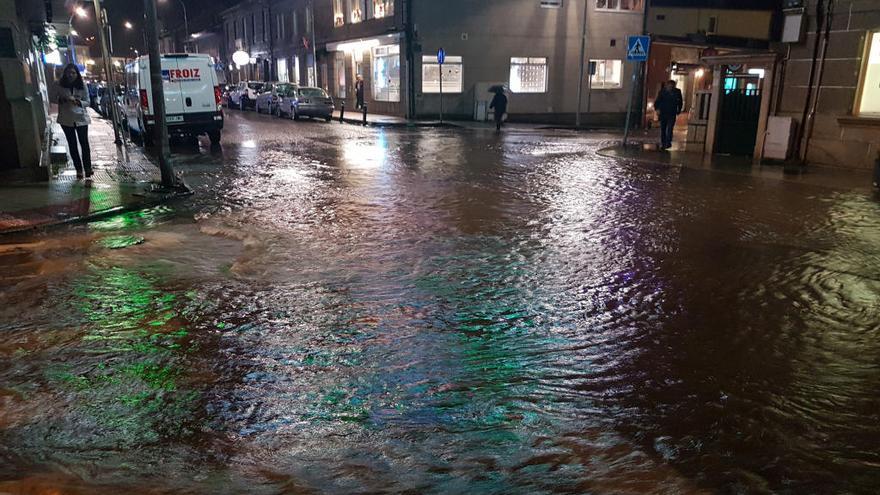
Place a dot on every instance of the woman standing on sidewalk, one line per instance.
(73, 116)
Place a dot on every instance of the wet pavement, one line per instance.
(356, 310)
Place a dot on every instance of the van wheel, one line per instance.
(214, 136)
(329, 118)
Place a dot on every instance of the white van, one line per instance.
(192, 96)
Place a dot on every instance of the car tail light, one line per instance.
(217, 96)
(144, 102)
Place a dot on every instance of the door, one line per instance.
(195, 77)
(739, 111)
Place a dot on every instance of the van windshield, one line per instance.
(313, 93)
(255, 86)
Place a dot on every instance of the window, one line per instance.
(383, 8)
(296, 71)
(357, 10)
(338, 13)
(528, 75)
(386, 73)
(339, 72)
(869, 99)
(253, 28)
(294, 25)
(626, 5)
(279, 27)
(283, 75)
(609, 74)
(452, 75)
(265, 25)
(309, 20)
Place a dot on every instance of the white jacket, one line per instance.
(69, 113)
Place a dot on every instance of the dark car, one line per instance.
(308, 102)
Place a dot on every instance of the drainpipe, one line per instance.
(826, 39)
(820, 16)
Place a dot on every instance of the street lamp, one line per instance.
(185, 21)
(128, 25)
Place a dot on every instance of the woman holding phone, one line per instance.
(73, 117)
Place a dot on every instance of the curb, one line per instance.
(435, 125)
(97, 215)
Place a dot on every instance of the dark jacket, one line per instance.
(669, 102)
(499, 104)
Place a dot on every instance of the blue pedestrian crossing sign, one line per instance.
(637, 48)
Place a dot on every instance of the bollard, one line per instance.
(342, 113)
(365, 114)
(877, 173)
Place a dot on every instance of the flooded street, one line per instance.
(346, 310)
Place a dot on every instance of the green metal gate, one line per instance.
(738, 117)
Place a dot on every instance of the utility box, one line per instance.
(780, 138)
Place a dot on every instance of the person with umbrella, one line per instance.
(499, 104)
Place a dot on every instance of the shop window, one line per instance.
(528, 75)
(624, 5)
(609, 74)
(869, 100)
(279, 27)
(383, 8)
(386, 73)
(283, 75)
(357, 11)
(453, 79)
(338, 13)
(339, 72)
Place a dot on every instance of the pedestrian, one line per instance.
(359, 92)
(73, 117)
(499, 104)
(668, 104)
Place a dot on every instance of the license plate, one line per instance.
(174, 118)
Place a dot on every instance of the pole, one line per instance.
(441, 93)
(632, 96)
(577, 119)
(160, 131)
(100, 19)
(590, 89)
(314, 48)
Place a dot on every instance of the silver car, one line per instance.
(307, 102)
(244, 95)
(270, 99)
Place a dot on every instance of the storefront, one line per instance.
(378, 62)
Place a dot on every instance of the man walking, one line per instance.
(668, 104)
(499, 104)
(359, 92)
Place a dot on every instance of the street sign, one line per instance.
(637, 48)
(441, 56)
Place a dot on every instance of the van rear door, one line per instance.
(196, 79)
(171, 86)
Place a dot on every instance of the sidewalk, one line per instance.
(356, 117)
(643, 148)
(124, 180)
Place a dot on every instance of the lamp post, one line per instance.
(101, 20)
(185, 24)
(79, 11)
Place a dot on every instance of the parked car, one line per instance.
(244, 95)
(192, 96)
(307, 102)
(271, 96)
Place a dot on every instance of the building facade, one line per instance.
(24, 104)
(532, 47)
(842, 105)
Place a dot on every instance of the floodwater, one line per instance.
(343, 310)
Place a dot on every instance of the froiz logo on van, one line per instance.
(181, 75)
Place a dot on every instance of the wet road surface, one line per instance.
(347, 310)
